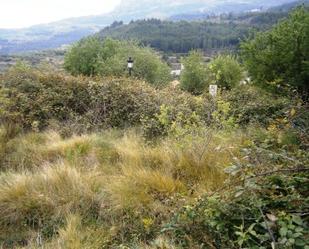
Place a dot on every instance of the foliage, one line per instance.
(194, 76)
(93, 56)
(263, 204)
(249, 221)
(34, 99)
(253, 105)
(280, 56)
(84, 55)
(226, 71)
(222, 115)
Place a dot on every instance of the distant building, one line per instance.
(256, 10)
(177, 68)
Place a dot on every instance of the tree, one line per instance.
(83, 56)
(281, 54)
(226, 71)
(108, 57)
(194, 76)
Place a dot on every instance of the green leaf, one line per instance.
(297, 220)
(300, 242)
(283, 231)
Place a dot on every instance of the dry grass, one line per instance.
(103, 177)
(35, 201)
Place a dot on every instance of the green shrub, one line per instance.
(93, 56)
(175, 105)
(257, 216)
(35, 100)
(30, 98)
(280, 56)
(226, 71)
(83, 56)
(194, 77)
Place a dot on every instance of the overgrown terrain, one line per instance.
(98, 159)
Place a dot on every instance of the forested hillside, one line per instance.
(222, 32)
(202, 30)
(181, 36)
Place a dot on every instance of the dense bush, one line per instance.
(93, 56)
(262, 215)
(253, 105)
(33, 99)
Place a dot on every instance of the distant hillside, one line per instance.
(243, 11)
(208, 32)
(289, 6)
(55, 41)
(70, 30)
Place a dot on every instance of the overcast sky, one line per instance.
(23, 13)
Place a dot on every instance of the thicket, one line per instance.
(35, 100)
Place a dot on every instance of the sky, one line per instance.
(24, 13)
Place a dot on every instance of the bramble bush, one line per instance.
(33, 99)
(253, 105)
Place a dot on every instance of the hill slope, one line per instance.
(70, 30)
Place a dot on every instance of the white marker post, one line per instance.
(213, 89)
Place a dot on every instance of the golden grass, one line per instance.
(30, 199)
(138, 187)
(100, 176)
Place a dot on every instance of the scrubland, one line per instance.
(114, 163)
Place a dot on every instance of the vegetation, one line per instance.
(114, 162)
(194, 76)
(92, 56)
(223, 70)
(280, 56)
(226, 71)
